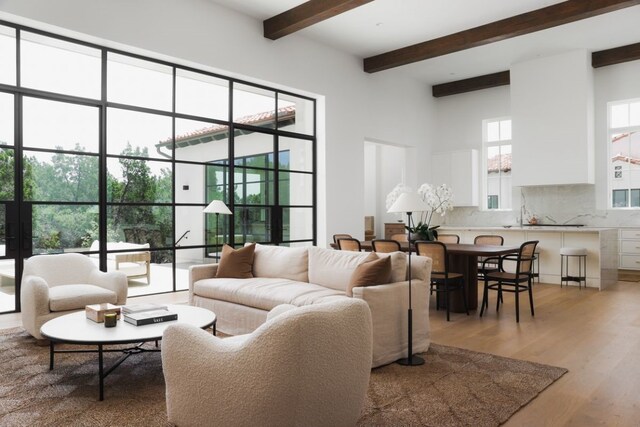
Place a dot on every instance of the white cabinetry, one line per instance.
(459, 170)
(601, 245)
(630, 249)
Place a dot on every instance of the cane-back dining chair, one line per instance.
(349, 244)
(448, 238)
(520, 281)
(492, 264)
(400, 237)
(442, 279)
(341, 236)
(382, 245)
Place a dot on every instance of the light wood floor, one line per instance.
(596, 335)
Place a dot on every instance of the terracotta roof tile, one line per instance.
(258, 119)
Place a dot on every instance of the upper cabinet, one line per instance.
(553, 125)
(459, 170)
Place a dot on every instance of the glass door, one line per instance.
(8, 254)
(9, 227)
(60, 179)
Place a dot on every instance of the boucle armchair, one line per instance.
(53, 285)
(305, 366)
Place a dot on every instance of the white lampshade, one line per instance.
(408, 202)
(217, 206)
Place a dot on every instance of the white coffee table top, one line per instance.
(75, 328)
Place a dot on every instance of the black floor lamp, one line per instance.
(409, 203)
(217, 207)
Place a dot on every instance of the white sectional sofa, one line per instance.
(303, 276)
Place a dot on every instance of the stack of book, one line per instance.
(146, 314)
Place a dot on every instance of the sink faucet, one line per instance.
(523, 201)
(521, 214)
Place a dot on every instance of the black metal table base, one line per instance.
(102, 373)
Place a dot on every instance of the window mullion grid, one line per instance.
(103, 104)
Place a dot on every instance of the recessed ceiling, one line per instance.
(384, 25)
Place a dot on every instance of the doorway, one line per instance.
(385, 166)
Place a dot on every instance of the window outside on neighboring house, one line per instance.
(624, 153)
(497, 163)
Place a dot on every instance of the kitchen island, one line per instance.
(601, 245)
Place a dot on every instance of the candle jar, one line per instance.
(110, 320)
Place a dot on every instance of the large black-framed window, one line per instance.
(106, 152)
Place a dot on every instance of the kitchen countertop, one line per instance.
(530, 228)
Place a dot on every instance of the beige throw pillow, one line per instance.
(373, 271)
(236, 263)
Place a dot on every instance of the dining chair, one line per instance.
(349, 244)
(520, 281)
(488, 264)
(400, 237)
(448, 238)
(341, 236)
(442, 280)
(384, 245)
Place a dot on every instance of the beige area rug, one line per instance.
(455, 387)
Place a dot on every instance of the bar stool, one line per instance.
(565, 255)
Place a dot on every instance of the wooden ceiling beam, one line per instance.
(617, 55)
(306, 14)
(474, 83)
(540, 19)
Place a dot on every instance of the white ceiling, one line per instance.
(384, 25)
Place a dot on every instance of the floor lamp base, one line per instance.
(411, 361)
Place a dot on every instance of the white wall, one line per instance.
(459, 117)
(370, 180)
(459, 120)
(353, 105)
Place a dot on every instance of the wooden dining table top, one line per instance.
(460, 248)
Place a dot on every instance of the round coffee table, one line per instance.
(75, 328)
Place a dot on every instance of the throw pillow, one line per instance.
(236, 263)
(373, 271)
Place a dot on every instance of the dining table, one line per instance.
(463, 259)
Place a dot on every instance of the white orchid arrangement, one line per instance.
(437, 198)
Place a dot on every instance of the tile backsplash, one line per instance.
(562, 204)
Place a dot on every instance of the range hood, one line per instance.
(553, 124)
